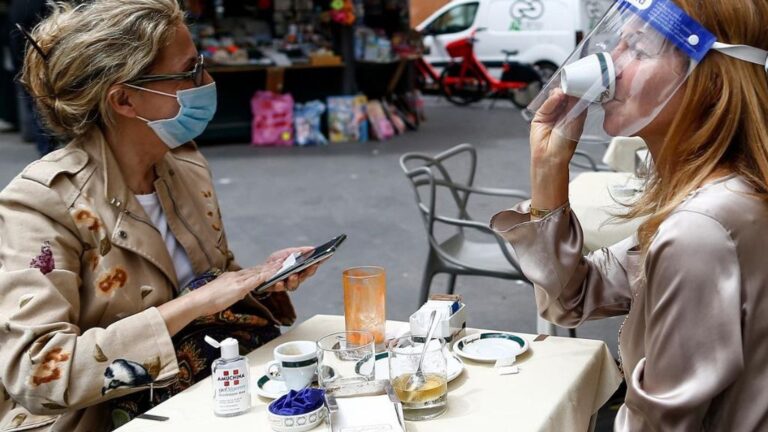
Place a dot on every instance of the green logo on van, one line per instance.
(527, 9)
(523, 12)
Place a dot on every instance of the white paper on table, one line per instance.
(366, 414)
(396, 329)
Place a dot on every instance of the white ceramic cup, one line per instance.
(295, 363)
(592, 78)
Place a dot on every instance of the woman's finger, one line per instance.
(253, 278)
(552, 108)
(292, 283)
(278, 287)
(308, 273)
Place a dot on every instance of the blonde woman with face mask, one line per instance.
(691, 78)
(114, 245)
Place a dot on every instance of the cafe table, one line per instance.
(595, 198)
(561, 383)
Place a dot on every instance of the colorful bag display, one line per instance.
(347, 119)
(394, 117)
(380, 126)
(272, 119)
(306, 119)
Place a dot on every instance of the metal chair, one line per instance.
(458, 254)
(589, 163)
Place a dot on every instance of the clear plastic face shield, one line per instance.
(628, 68)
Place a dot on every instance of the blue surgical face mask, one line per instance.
(196, 109)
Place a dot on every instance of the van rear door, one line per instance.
(540, 30)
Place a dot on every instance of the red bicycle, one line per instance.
(467, 80)
(428, 78)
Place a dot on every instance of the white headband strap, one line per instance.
(744, 52)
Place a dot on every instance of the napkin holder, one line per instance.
(643, 163)
(373, 390)
(449, 329)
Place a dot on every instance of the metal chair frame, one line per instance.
(439, 260)
(590, 163)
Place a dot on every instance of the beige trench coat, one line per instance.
(81, 271)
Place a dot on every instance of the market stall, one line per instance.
(310, 50)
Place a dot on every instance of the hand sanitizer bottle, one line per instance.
(231, 380)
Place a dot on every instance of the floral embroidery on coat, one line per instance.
(48, 370)
(18, 420)
(110, 281)
(92, 259)
(124, 373)
(98, 354)
(44, 262)
(87, 218)
(213, 210)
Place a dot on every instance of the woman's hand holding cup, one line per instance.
(552, 150)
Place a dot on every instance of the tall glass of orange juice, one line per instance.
(365, 301)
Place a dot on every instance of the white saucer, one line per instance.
(455, 366)
(490, 346)
(270, 388)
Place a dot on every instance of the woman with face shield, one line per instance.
(691, 78)
(114, 262)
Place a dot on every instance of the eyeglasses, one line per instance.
(197, 75)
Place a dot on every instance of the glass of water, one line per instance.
(344, 359)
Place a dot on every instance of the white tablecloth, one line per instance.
(593, 199)
(561, 383)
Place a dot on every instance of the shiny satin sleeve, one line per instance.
(693, 336)
(570, 288)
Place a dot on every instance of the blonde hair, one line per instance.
(89, 48)
(721, 123)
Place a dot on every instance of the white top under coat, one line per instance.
(181, 261)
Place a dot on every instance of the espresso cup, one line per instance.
(592, 78)
(295, 364)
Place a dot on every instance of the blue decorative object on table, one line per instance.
(298, 402)
(298, 411)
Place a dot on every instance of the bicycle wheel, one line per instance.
(546, 70)
(521, 98)
(462, 90)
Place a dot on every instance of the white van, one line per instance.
(543, 32)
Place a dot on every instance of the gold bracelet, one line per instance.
(539, 213)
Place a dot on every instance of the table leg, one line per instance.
(545, 327)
